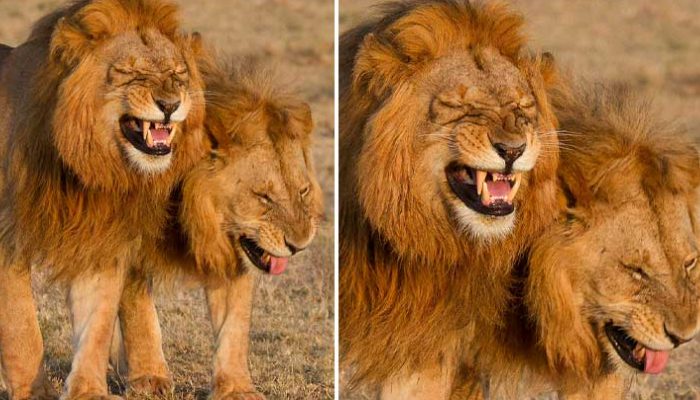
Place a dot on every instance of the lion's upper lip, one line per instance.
(487, 192)
(150, 137)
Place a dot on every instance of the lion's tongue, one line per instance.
(159, 135)
(278, 265)
(655, 361)
(497, 190)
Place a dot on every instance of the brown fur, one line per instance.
(70, 198)
(628, 223)
(411, 278)
(259, 181)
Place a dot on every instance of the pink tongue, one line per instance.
(278, 265)
(655, 361)
(498, 188)
(159, 135)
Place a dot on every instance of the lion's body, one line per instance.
(628, 223)
(260, 183)
(413, 281)
(75, 197)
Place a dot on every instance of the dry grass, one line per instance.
(652, 45)
(292, 332)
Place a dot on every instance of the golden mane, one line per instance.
(68, 199)
(410, 283)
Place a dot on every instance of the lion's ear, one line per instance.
(548, 69)
(196, 43)
(68, 42)
(378, 64)
(292, 118)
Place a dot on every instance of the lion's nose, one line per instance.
(168, 107)
(509, 153)
(678, 338)
(292, 247)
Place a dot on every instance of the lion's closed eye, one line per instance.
(636, 271)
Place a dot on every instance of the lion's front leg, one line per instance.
(434, 382)
(21, 346)
(93, 302)
(141, 341)
(229, 309)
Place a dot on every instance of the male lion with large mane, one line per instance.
(448, 162)
(252, 204)
(613, 286)
(102, 113)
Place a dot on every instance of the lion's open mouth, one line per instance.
(263, 259)
(634, 353)
(486, 192)
(150, 137)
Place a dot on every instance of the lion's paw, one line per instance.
(239, 396)
(151, 385)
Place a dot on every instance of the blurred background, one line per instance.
(653, 46)
(292, 330)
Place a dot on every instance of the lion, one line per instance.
(611, 288)
(103, 112)
(447, 172)
(253, 204)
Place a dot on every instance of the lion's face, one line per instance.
(635, 268)
(483, 117)
(148, 98)
(270, 200)
(267, 200)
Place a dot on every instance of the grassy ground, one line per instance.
(292, 332)
(654, 46)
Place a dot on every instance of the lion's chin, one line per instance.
(145, 163)
(482, 226)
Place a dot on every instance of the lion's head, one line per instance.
(256, 200)
(124, 87)
(442, 122)
(615, 283)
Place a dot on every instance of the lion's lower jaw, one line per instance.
(148, 164)
(481, 226)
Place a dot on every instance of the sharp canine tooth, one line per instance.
(485, 196)
(149, 138)
(516, 186)
(171, 135)
(480, 179)
(146, 130)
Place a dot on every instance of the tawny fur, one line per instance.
(259, 181)
(412, 279)
(627, 229)
(71, 199)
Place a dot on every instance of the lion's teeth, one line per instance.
(149, 138)
(146, 130)
(518, 178)
(480, 179)
(266, 258)
(485, 195)
(173, 129)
